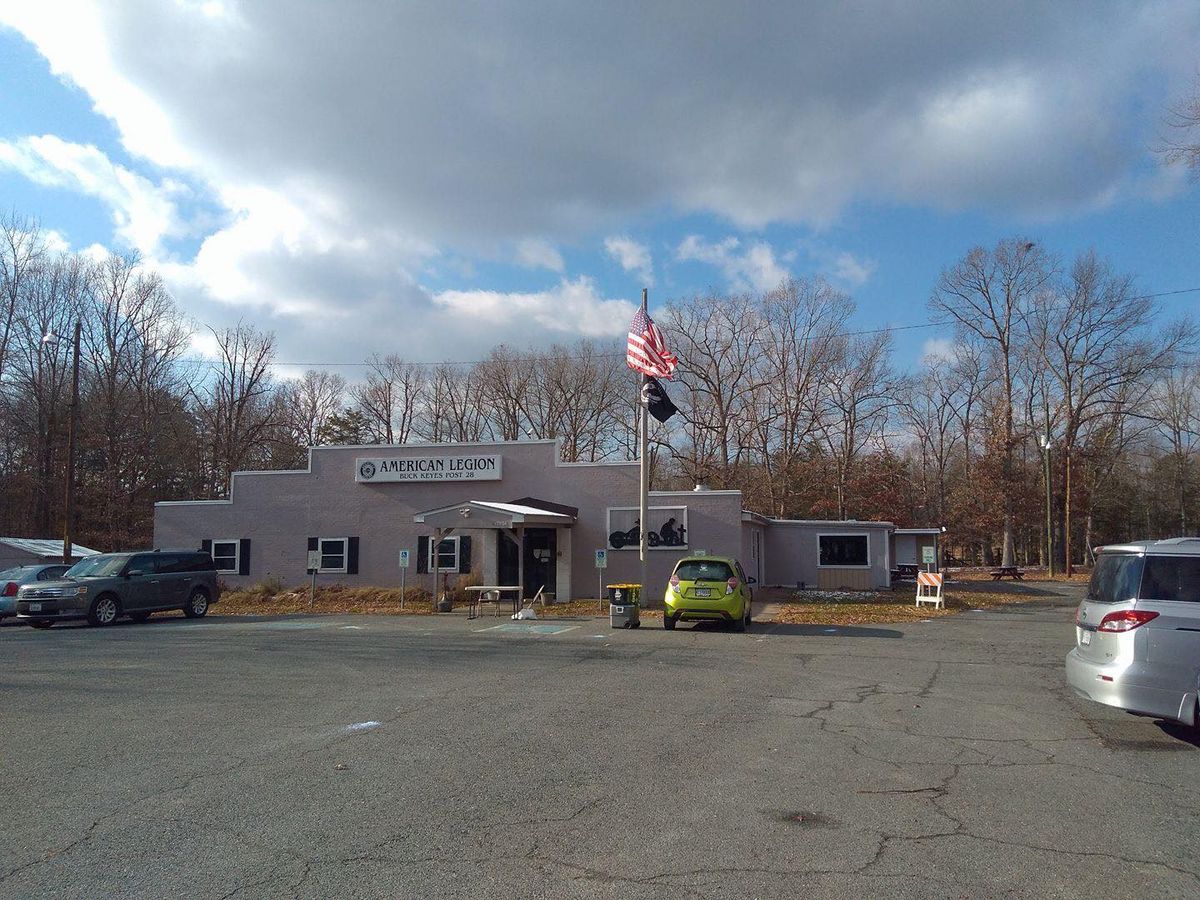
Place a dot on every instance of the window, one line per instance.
(225, 556)
(172, 563)
(703, 570)
(447, 555)
(146, 563)
(844, 550)
(1115, 578)
(333, 554)
(1171, 578)
(668, 528)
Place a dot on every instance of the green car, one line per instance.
(708, 587)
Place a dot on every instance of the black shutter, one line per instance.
(423, 555)
(464, 554)
(312, 545)
(206, 547)
(244, 556)
(352, 556)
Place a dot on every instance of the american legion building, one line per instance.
(500, 513)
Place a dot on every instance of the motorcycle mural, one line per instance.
(670, 534)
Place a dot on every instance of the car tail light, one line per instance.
(675, 583)
(1126, 620)
(731, 585)
(10, 589)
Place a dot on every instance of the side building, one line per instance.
(502, 513)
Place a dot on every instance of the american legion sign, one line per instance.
(429, 468)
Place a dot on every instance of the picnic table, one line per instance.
(1007, 572)
(481, 593)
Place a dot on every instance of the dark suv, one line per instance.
(103, 588)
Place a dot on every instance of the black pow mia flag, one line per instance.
(655, 399)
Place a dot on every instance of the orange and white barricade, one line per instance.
(929, 589)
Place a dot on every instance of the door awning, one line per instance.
(491, 514)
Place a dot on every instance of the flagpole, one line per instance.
(644, 487)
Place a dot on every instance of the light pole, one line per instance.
(50, 339)
(1044, 440)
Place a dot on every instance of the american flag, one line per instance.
(647, 351)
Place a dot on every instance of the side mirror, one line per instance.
(132, 572)
(751, 581)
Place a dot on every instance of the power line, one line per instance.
(887, 329)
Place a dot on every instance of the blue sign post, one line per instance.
(601, 565)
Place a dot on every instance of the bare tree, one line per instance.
(390, 397)
(860, 391)
(799, 341)
(21, 252)
(718, 371)
(132, 340)
(1184, 118)
(933, 411)
(1093, 336)
(309, 402)
(988, 294)
(234, 403)
(1175, 411)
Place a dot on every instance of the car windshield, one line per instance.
(97, 567)
(11, 574)
(703, 570)
(1115, 578)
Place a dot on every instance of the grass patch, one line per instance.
(884, 607)
(331, 600)
(1032, 573)
(586, 609)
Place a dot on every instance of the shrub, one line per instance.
(268, 587)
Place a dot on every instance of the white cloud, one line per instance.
(754, 268)
(938, 349)
(851, 271)
(533, 253)
(632, 256)
(972, 104)
(347, 156)
(143, 213)
(573, 308)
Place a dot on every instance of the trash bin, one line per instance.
(624, 605)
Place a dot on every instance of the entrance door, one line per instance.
(541, 560)
(507, 559)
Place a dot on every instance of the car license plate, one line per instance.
(35, 607)
(1085, 638)
(703, 592)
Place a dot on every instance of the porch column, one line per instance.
(520, 530)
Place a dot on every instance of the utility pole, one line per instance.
(1045, 442)
(72, 420)
(644, 455)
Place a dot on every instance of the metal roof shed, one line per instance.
(31, 551)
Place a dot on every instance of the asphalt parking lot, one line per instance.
(373, 757)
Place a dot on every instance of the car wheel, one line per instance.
(739, 624)
(41, 623)
(749, 612)
(139, 617)
(104, 610)
(669, 622)
(197, 605)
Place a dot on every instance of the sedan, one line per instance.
(12, 579)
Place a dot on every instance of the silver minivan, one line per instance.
(1137, 632)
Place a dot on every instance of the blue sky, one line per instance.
(430, 182)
